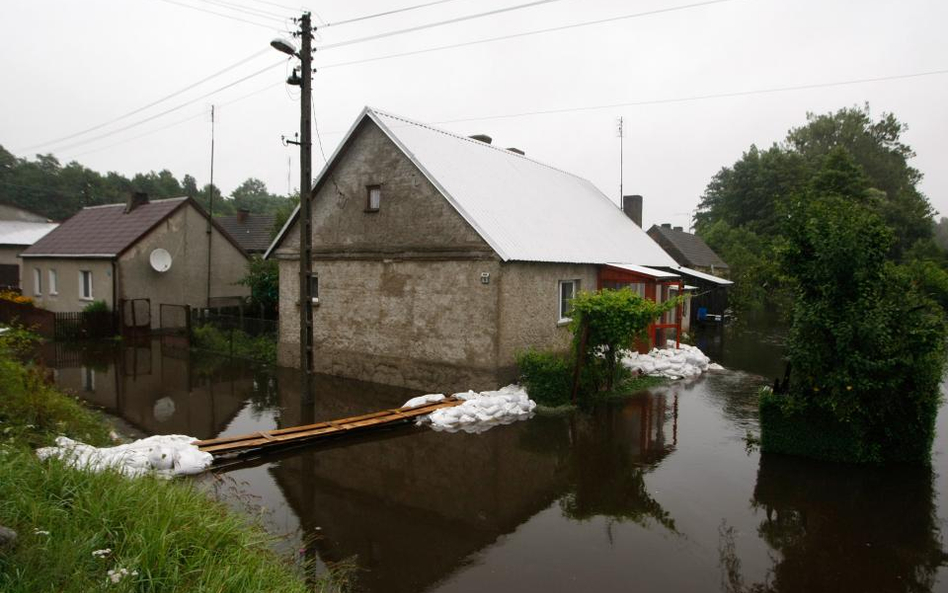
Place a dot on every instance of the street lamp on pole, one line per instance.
(305, 80)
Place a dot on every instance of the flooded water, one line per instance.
(655, 493)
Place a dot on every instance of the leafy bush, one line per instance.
(867, 348)
(263, 279)
(547, 376)
(18, 341)
(96, 307)
(15, 297)
(615, 320)
(234, 342)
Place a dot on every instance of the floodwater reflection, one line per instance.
(655, 492)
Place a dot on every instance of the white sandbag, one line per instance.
(164, 455)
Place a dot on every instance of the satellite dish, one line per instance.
(160, 260)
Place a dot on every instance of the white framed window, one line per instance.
(53, 282)
(37, 281)
(374, 198)
(85, 285)
(567, 291)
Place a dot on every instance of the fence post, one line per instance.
(187, 321)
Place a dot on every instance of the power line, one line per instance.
(436, 24)
(284, 6)
(149, 105)
(526, 33)
(173, 109)
(176, 123)
(385, 13)
(771, 90)
(226, 16)
(245, 9)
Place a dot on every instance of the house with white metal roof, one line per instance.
(438, 257)
(18, 230)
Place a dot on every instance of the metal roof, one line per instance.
(525, 210)
(702, 275)
(643, 270)
(16, 232)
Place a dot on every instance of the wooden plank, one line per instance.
(326, 428)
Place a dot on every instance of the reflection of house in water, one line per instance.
(156, 389)
(415, 507)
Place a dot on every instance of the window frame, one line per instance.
(37, 282)
(82, 294)
(368, 197)
(53, 285)
(563, 316)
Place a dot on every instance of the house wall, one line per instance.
(529, 307)
(184, 236)
(401, 298)
(68, 297)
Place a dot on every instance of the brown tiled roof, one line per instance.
(253, 234)
(687, 249)
(107, 231)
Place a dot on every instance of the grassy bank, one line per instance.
(167, 535)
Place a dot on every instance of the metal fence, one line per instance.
(237, 335)
(85, 325)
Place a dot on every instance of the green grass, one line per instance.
(170, 532)
(234, 343)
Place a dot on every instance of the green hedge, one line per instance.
(810, 432)
(547, 376)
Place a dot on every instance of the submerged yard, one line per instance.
(660, 491)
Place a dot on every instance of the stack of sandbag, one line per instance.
(674, 363)
(164, 455)
(480, 411)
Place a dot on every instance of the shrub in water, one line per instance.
(867, 349)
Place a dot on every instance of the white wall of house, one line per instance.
(56, 284)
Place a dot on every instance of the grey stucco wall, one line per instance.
(67, 270)
(183, 235)
(529, 306)
(401, 298)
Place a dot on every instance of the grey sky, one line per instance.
(69, 65)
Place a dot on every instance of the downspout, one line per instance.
(115, 309)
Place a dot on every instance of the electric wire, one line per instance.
(524, 34)
(149, 105)
(173, 109)
(178, 122)
(452, 21)
(220, 14)
(384, 13)
(244, 9)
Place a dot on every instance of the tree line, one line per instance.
(744, 212)
(47, 187)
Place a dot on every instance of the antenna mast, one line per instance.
(621, 133)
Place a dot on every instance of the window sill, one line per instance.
(564, 321)
(86, 298)
(370, 210)
(53, 294)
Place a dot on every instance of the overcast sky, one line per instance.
(68, 66)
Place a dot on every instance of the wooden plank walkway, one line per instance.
(235, 445)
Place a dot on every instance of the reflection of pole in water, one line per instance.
(675, 420)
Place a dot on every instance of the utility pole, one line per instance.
(306, 211)
(621, 133)
(304, 78)
(210, 212)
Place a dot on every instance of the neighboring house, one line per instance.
(698, 265)
(437, 257)
(16, 235)
(688, 250)
(253, 232)
(113, 253)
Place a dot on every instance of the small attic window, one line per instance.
(373, 198)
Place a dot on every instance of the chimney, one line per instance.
(242, 215)
(666, 225)
(135, 199)
(680, 229)
(632, 206)
(516, 150)
(482, 138)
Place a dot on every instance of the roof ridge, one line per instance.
(469, 139)
(113, 205)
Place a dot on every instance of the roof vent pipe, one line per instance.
(482, 138)
(242, 215)
(135, 199)
(666, 225)
(680, 229)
